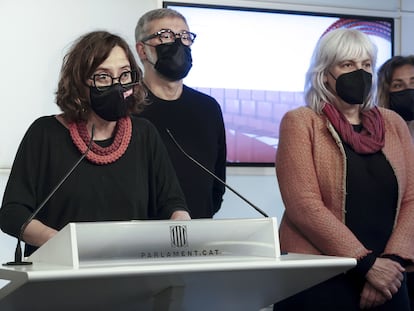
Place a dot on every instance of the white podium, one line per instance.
(226, 264)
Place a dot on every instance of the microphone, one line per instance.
(18, 253)
(216, 177)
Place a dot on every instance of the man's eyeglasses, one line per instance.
(169, 36)
(103, 80)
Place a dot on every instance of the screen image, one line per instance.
(253, 62)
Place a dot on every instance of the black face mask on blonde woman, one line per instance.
(353, 87)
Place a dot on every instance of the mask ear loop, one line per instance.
(327, 85)
(146, 56)
(332, 75)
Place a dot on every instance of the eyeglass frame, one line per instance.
(134, 79)
(180, 34)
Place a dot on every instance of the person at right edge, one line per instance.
(396, 92)
(396, 87)
(345, 169)
(163, 42)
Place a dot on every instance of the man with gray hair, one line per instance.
(163, 44)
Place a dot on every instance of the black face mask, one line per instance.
(174, 60)
(354, 87)
(111, 104)
(402, 102)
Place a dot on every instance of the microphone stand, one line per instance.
(216, 177)
(18, 252)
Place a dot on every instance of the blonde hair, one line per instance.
(332, 48)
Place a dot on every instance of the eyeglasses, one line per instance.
(169, 36)
(103, 80)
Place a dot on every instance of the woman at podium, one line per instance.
(94, 161)
(346, 174)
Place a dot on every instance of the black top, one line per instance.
(196, 122)
(371, 201)
(139, 185)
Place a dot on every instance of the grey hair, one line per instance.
(332, 48)
(141, 30)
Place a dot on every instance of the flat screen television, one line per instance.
(253, 62)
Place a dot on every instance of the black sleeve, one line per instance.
(19, 198)
(364, 264)
(166, 190)
(403, 262)
(220, 167)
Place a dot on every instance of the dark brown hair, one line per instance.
(385, 77)
(79, 64)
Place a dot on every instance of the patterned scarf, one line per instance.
(369, 140)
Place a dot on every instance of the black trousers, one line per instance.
(410, 287)
(340, 293)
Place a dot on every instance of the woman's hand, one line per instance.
(371, 297)
(180, 215)
(37, 234)
(386, 276)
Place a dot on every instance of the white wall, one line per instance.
(7, 244)
(35, 35)
(34, 38)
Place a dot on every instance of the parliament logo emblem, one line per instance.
(178, 236)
